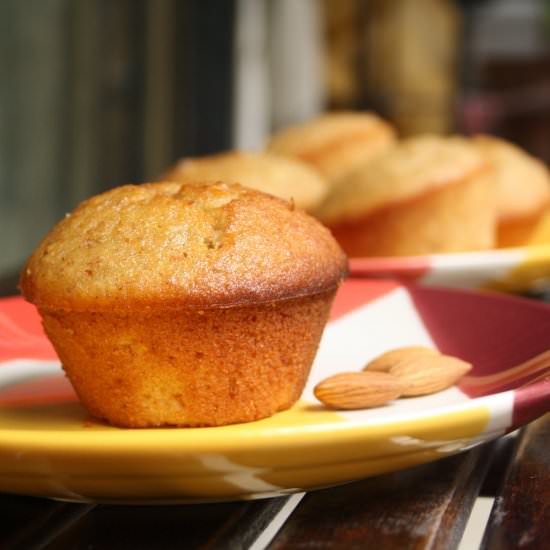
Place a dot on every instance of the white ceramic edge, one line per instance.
(471, 269)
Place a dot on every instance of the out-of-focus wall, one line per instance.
(70, 111)
(279, 73)
(506, 77)
(97, 93)
(437, 66)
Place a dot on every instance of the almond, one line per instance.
(358, 390)
(429, 374)
(384, 362)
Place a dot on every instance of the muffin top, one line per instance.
(523, 182)
(277, 175)
(171, 245)
(408, 169)
(335, 143)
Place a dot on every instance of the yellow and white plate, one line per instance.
(508, 269)
(50, 446)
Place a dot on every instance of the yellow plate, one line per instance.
(49, 446)
(508, 269)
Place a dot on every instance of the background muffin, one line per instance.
(424, 195)
(335, 143)
(283, 177)
(174, 304)
(522, 189)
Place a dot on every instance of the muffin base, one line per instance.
(452, 218)
(190, 367)
(517, 231)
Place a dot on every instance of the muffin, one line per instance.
(337, 143)
(424, 195)
(283, 177)
(523, 189)
(541, 231)
(185, 305)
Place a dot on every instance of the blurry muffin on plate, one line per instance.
(523, 189)
(185, 305)
(541, 232)
(335, 143)
(277, 175)
(424, 195)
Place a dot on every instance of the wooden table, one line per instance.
(425, 507)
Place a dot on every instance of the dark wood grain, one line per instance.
(500, 461)
(213, 526)
(521, 514)
(31, 523)
(422, 508)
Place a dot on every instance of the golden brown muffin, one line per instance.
(283, 177)
(335, 143)
(425, 195)
(541, 232)
(186, 305)
(523, 189)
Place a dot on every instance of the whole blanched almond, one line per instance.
(429, 374)
(389, 359)
(358, 390)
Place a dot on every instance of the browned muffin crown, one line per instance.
(180, 245)
(335, 143)
(523, 181)
(409, 169)
(283, 177)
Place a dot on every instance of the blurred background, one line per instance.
(96, 93)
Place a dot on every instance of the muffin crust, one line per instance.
(335, 143)
(281, 176)
(425, 195)
(407, 170)
(185, 305)
(522, 181)
(192, 367)
(179, 246)
(522, 189)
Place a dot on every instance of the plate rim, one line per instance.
(248, 447)
(123, 438)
